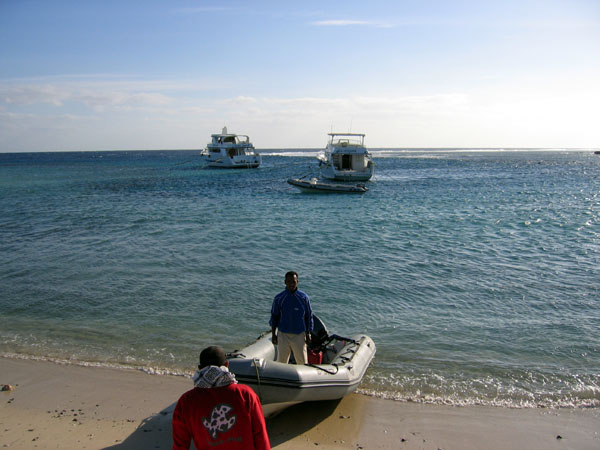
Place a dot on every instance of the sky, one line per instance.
(123, 74)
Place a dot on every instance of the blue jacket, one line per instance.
(291, 312)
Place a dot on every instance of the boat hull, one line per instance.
(235, 165)
(346, 175)
(280, 385)
(223, 161)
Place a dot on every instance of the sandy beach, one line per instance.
(74, 407)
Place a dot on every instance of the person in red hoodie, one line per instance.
(218, 413)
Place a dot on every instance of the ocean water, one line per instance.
(476, 272)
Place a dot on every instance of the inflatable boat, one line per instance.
(314, 185)
(335, 368)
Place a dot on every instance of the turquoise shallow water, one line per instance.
(475, 272)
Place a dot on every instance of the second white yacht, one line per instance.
(346, 158)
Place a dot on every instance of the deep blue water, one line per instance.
(475, 272)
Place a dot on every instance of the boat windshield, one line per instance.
(235, 139)
(347, 139)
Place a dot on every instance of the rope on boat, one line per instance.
(342, 356)
(341, 338)
(330, 372)
(256, 360)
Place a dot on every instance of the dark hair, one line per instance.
(291, 273)
(212, 356)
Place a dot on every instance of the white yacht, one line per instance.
(231, 151)
(346, 158)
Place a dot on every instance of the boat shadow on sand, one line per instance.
(154, 432)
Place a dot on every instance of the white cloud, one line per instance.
(101, 91)
(96, 95)
(433, 105)
(33, 94)
(45, 115)
(239, 100)
(99, 101)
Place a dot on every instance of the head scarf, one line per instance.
(213, 376)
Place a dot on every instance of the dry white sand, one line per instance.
(56, 406)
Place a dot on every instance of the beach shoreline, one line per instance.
(76, 407)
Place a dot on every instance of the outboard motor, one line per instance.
(319, 335)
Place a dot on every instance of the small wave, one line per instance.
(160, 371)
(416, 397)
(475, 401)
(474, 150)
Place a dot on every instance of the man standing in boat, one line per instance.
(291, 321)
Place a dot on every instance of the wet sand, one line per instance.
(73, 407)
